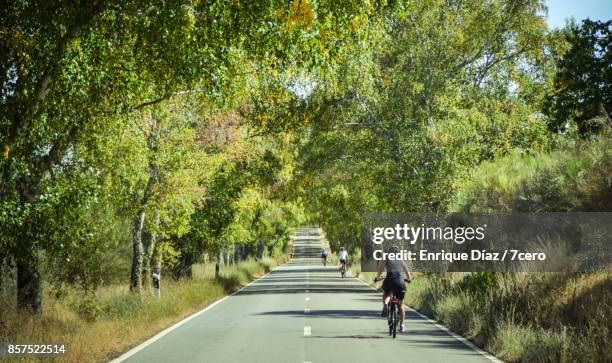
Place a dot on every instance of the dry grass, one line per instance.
(99, 327)
(523, 317)
(527, 317)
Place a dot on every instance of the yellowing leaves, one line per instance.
(301, 13)
(357, 22)
(440, 137)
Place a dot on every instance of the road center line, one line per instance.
(306, 331)
(307, 299)
(306, 310)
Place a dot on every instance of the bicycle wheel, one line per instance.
(395, 320)
(389, 319)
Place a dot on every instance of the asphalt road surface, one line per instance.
(302, 312)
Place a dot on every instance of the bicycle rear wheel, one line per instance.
(395, 320)
(390, 319)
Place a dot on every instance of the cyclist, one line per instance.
(343, 257)
(324, 255)
(394, 282)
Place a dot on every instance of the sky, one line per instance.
(560, 10)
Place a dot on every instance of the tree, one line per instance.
(68, 68)
(582, 91)
(421, 97)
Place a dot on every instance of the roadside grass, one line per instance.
(522, 317)
(527, 344)
(529, 317)
(97, 327)
(456, 310)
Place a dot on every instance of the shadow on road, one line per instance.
(342, 314)
(347, 337)
(321, 289)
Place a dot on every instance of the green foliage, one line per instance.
(228, 123)
(103, 102)
(518, 344)
(479, 282)
(458, 313)
(575, 178)
(583, 82)
(410, 108)
(88, 308)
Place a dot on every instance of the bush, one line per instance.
(525, 344)
(461, 313)
(88, 308)
(573, 179)
(479, 282)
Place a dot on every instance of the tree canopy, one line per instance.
(175, 131)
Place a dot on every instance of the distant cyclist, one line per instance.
(343, 257)
(324, 254)
(394, 282)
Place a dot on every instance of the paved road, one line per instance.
(303, 312)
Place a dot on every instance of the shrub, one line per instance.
(573, 179)
(479, 282)
(461, 313)
(88, 308)
(525, 344)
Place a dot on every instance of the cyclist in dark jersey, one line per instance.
(394, 282)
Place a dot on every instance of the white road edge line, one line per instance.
(164, 332)
(466, 342)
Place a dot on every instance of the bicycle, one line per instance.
(342, 269)
(324, 258)
(392, 308)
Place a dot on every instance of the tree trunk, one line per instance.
(138, 259)
(218, 265)
(156, 268)
(236, 252)
(184, 266)
(228, 257)
(137, 256)
(245, 252)
(29, 292)
(157, 259)
(148, 245)
(260, 250)
(150, 240)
